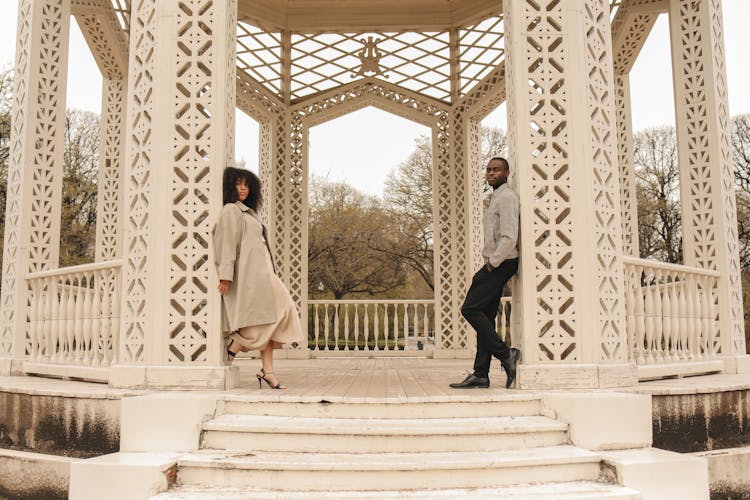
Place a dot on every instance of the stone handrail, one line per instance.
(75, 316)
(671, 312)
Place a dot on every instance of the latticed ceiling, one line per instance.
(438, 48)
(416, 60)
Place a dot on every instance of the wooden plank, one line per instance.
(313, 16)
(410, 383)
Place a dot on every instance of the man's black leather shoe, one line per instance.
(509, 365)
(472, 381)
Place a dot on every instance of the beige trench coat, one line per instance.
(240, 256)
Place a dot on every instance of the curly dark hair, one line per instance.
(231, 176)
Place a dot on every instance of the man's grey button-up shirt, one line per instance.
(501, 226)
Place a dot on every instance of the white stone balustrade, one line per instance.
(370, 325)
(383, 325)
(74, 320)
(672, 313)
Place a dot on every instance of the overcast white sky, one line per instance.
(364, 146)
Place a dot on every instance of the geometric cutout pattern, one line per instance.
(259, 55)
(13, 273)
(139, 179)
(729, 203)
(543, 63)
(194, 143)
(109, 185)
(416, 61)
(628, 201)
(710, 216)
(608, 270)
(32, 224)
(480, 50)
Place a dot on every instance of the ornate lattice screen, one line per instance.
(421, 62)
(259, 55)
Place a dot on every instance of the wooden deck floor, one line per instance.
(378, 378)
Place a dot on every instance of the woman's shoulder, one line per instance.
(230, 208)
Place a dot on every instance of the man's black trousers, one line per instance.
(480, 310)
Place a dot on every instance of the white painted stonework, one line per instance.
(603, 420)
(586, 312)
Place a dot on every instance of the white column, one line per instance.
(450, 246)
(180, 135)
(108, 43)
(110, 189)
(709, 216)
(630, 29)
(561, 104)
(628, 196)
(35, 165)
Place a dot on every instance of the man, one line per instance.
(500, 254)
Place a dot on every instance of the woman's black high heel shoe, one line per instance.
(263, 376)
(231, 355)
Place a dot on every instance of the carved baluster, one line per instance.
(87, 320)
(681, 283)
(630, 333)
(346, 327)
(336, 332)
(705, 328)
(386, 318)
(675, 318)
(695, 341)
(428, 321)
(326, 330)
(666, 313)
(376, 327)
(62, 321)
(45, 331)
(712, 319)
(70, 318)
(106, 317)
(693, 325)
(55, 327)
(34, 325)
(116, 296)
(367, 327)
(652, 321)
(316, 326)
(96, 323)
(357, 335)
(80, 299)
(640, 293)
(386, 323)
(661, 335)
(397, 322)
(405, 322)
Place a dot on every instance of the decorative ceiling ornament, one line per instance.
(370, 57)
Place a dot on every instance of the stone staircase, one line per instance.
(503, 447)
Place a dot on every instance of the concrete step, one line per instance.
(460, 405)
(388, 471)
(371, 435)
(580, 490)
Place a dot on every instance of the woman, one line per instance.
(256, 307)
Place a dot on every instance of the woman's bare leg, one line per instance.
(266, 357)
